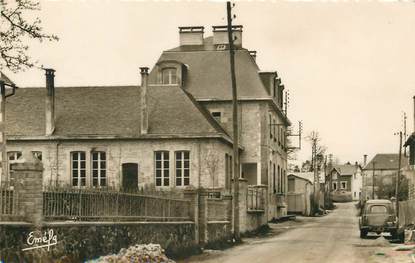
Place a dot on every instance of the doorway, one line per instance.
(129, 177)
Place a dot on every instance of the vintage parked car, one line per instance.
(379, 216)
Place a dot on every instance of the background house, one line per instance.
(383, 167)
(347, 178)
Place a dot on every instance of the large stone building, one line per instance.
(172, 131)
(120, 137)
(201, 66)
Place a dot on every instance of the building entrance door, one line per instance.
(129, 177)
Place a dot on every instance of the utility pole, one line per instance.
(325, 177)
(236, 230)
(373, 180)
(3, 156)
(404, 130)
(398, 175)
(316, 180)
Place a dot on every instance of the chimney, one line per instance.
(220, 35)
(50, 101)
(364, 160)
(143, 100)
(191, 35)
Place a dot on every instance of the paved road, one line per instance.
(327, 239)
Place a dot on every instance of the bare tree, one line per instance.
(16, 29)
(317, 149)
(212, 163)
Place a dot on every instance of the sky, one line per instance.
(347, 65)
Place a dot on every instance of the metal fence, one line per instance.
(8, 202)
(256, 198)
(91, 205)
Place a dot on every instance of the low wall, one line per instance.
(80, 241)
(341, 196)
(250, 220)
(219, 232)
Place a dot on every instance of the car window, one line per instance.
(378, 209)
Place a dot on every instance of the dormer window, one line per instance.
(169, 76)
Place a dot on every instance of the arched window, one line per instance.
(169, 76)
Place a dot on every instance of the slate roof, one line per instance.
(109, 111)
(301, 178)
(209, 72)
(345, 169)
(386, 161)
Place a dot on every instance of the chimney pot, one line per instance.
(143, 70)
(364, 160)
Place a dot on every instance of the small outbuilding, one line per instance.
(299, 196)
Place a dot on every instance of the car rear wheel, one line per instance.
(363, 233)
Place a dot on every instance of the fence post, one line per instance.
(193, 197)
(243, 203)
(28, 184)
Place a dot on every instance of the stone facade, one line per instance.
(56, 157)
(261, 151)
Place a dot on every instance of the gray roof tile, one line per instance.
(209, 72)
(110, 110)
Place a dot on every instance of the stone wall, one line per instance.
(249, 221)
(81, 241)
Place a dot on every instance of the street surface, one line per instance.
(333, 238)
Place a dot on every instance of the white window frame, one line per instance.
(78, 169)
(170, 71)
(334, 186)
(12, 157)
(180, 172)
(163, 177)
(15, 154)
(100, 172)
(341, 185)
